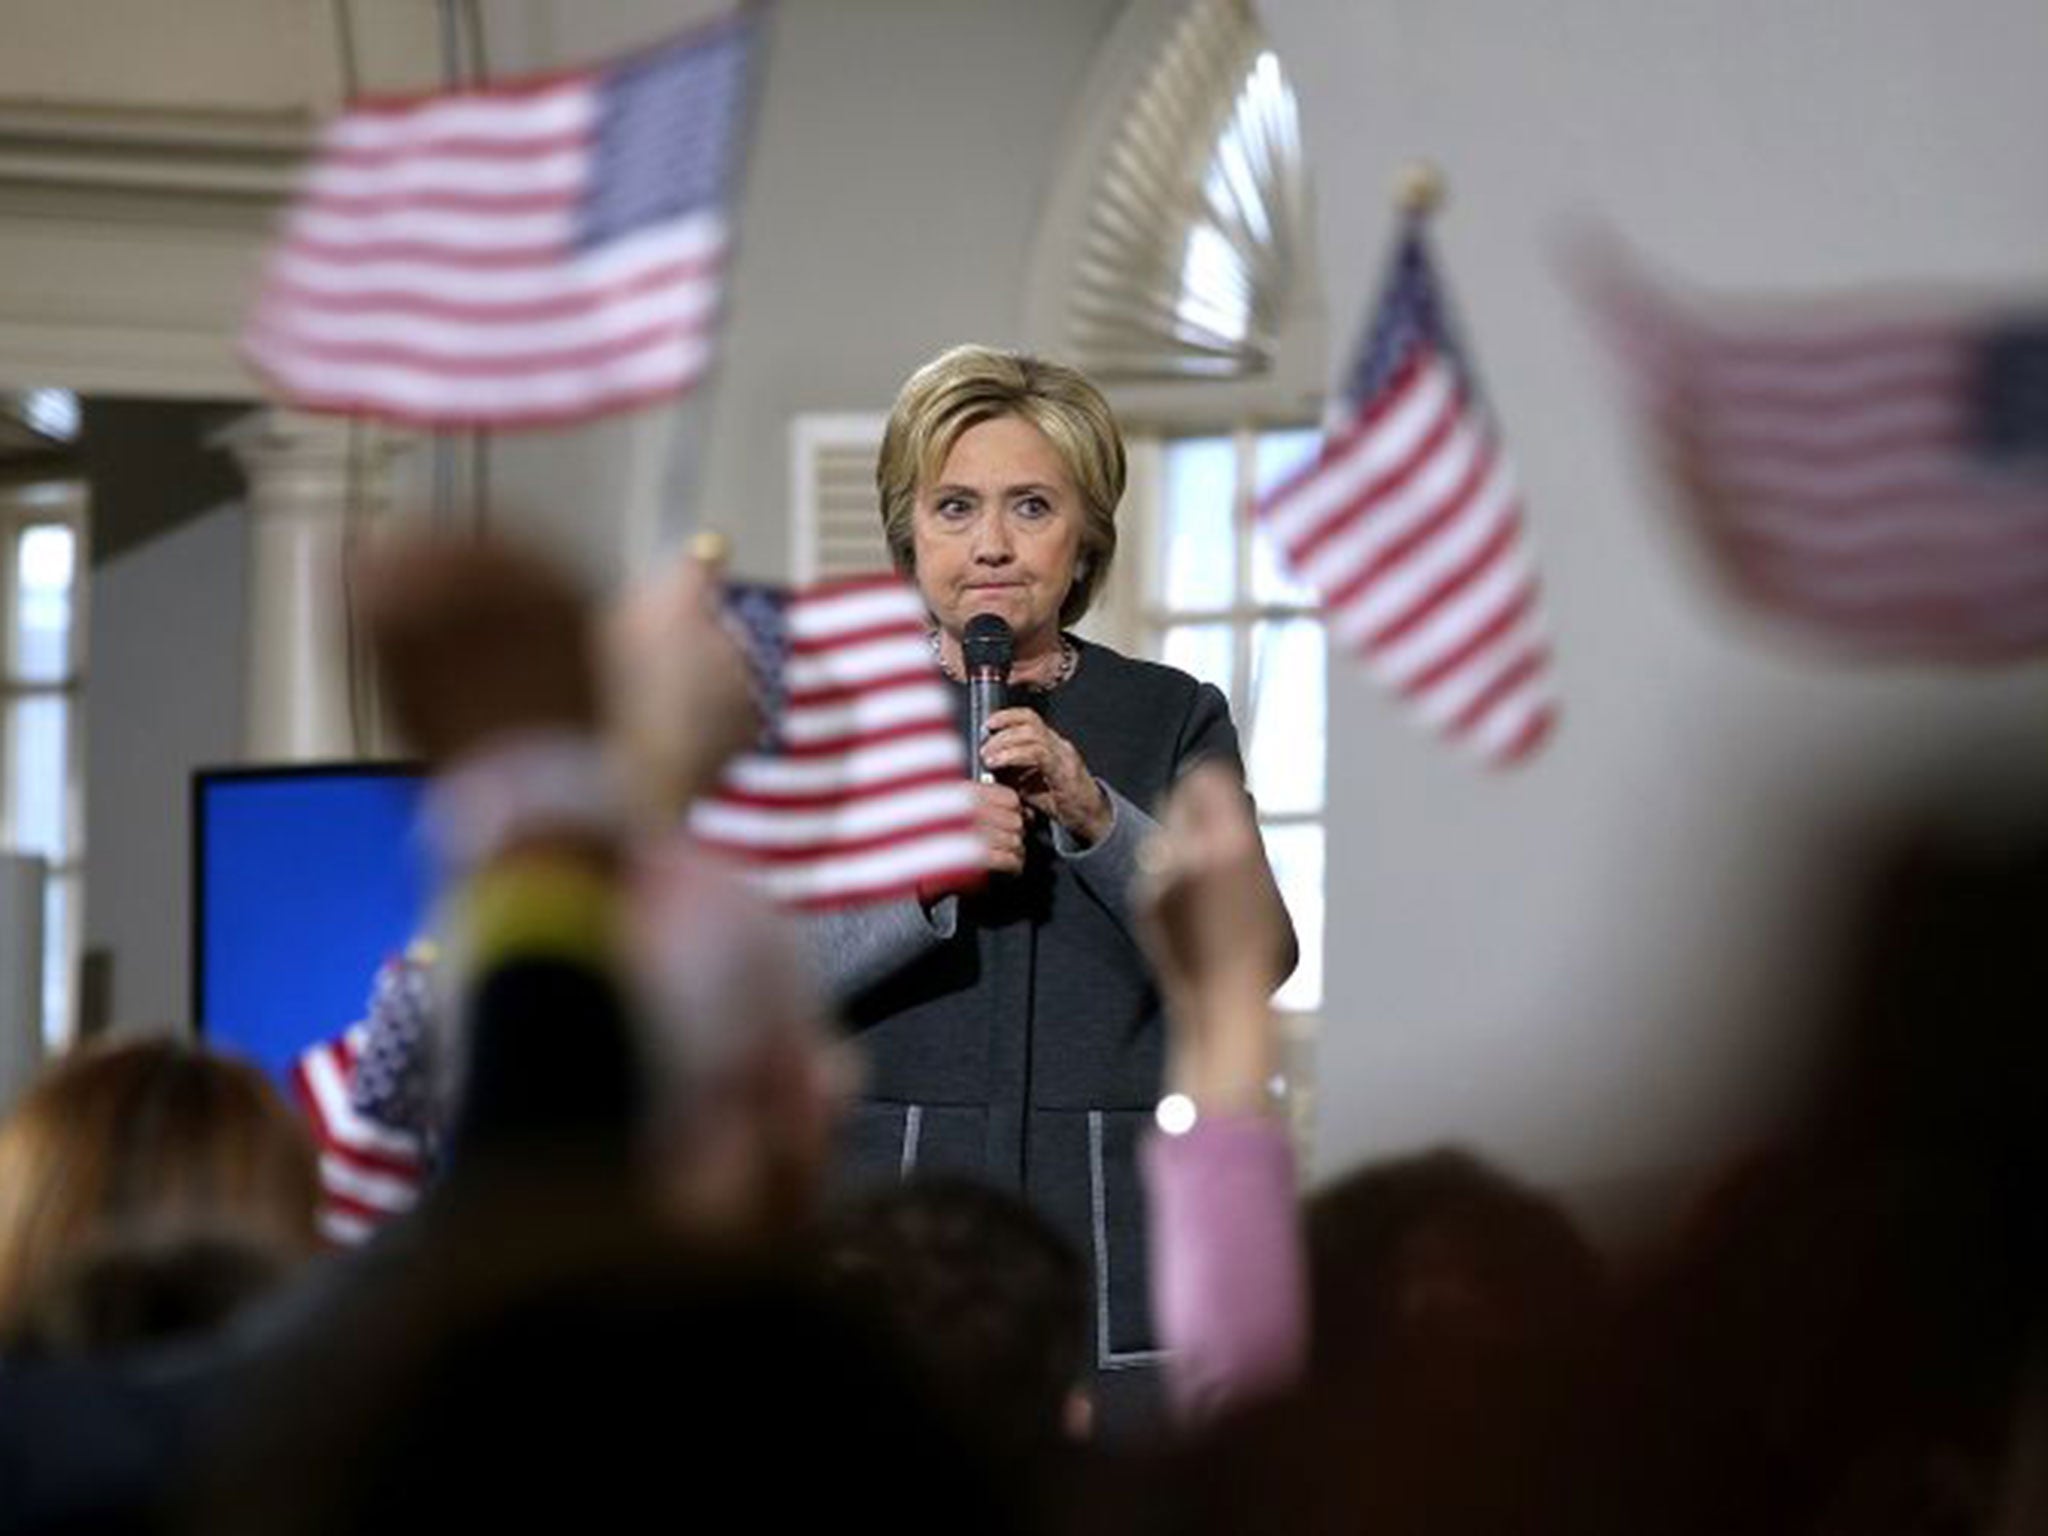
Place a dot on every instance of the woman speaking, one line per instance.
(1015, 1034)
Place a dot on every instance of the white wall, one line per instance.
(163, 697)
(901, 154)
(904, 151)
(1587, 965)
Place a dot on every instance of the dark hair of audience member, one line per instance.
(1456, 1318)
(556, 1354)
(1437, 1264)
(986, 1300)
(147, 1142)
(128, 1293)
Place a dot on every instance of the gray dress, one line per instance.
(1015, 1035)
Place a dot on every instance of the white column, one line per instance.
(297, 677)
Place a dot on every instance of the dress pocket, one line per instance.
(1116, 1213)
(877, 1144)
(882, 1141)
(1084, 1176)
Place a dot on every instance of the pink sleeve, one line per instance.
(1229, 1293)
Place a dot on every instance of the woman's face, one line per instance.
(998, 532)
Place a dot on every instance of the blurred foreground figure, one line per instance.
(589, 1289)
(1846, 1336)
(553, 1356)
(987, 1300)
(152, 1196)
(1837, 1341)
(565, 755)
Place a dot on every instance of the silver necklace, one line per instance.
(1070, 658)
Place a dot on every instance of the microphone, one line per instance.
(985, 650)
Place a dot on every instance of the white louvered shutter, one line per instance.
(837, 523)
(1199, 211)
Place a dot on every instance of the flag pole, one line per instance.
(480, 437)
(672, 465)
(711, 549)
(462, 64)
(360, 681)
(444, 449)
(1419, 190)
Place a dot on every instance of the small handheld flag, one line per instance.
(1874, 477)
(519, 254)
(858, 791)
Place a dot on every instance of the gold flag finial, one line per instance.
(710, 546)
(1420, 190)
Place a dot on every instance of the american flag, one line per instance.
(1874, 479)
(858, 791)
(392, 1082)
(519, 254)
(371, 1170)
(1409, 526)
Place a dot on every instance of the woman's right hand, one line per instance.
(999, 818)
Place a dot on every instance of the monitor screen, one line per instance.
(305, 880)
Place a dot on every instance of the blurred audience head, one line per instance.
(605, 1372)
(129, 1293)
(148, 1141)
(748, 1076)
(1435, 1272)
(981, 1295)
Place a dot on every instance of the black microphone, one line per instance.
(985, 650)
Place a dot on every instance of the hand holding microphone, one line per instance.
(987, 648)
(1016, 748)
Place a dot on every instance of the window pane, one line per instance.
(45, 560)
(1202, 650)
(1296, 853)
(1199, 557)
(52, 412)
(1285, 727)
(1215, 298)
(59, 905)
(37, 734)
(1279, 455)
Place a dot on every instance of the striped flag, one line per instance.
(1409, 525)
(520, 254)
(369, 1172)
(1873, 479)
(859, 790)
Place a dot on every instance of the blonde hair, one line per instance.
(969, 385)
(147, 1138)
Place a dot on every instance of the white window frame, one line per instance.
(34, 503)
(1154, 616)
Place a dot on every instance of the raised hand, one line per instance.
(1211, 925)
(678, 693)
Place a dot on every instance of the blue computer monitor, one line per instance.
(304, 880)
